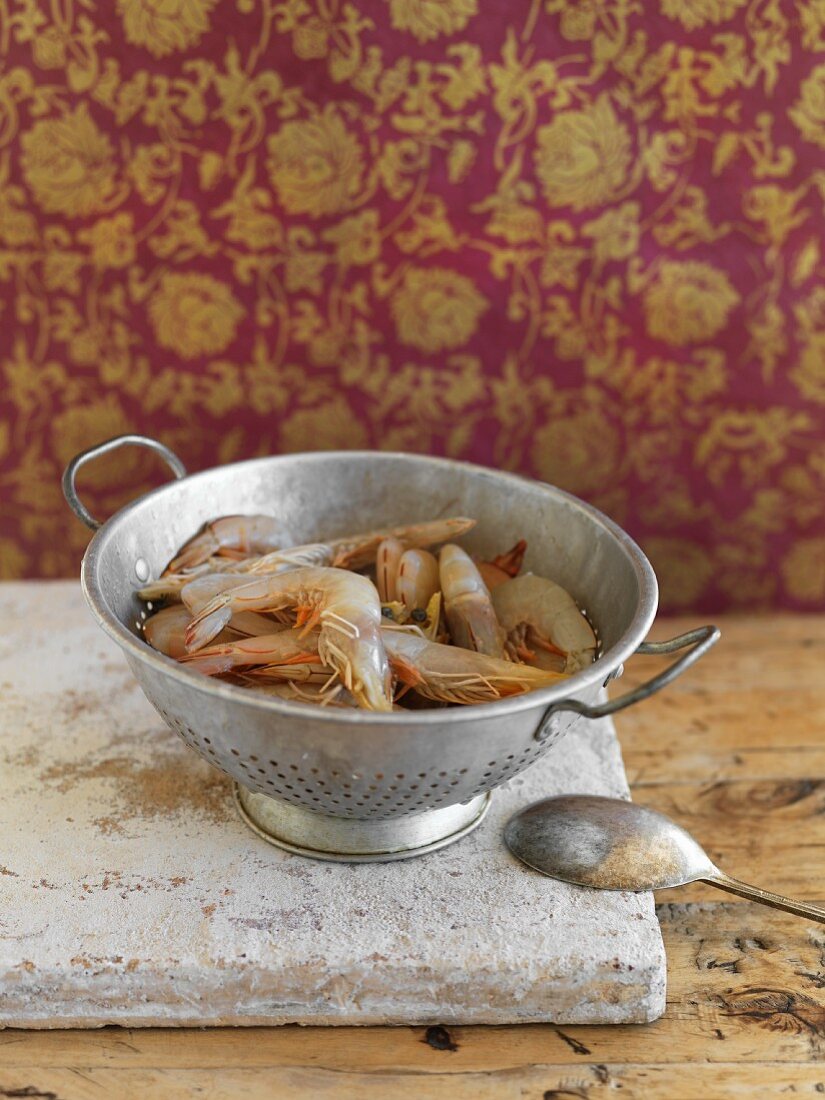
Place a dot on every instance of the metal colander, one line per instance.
(360, 785)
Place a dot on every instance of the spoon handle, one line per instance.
(777, 901)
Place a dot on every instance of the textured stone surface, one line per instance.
(132, 894)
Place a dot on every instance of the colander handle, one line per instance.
(699, 640)
(69, 474)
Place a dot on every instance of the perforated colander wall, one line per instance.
(363, 795)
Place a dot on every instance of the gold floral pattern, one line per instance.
(315, 164)
(164, 26)
(697, 13)
(435, 309)
(193, 314)
(581, 239)
(809, 110)
(68, 164)
(688, 302)
(427, 19)
(583, 157)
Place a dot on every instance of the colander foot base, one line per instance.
(346, 840)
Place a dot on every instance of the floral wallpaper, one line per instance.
(582, 240)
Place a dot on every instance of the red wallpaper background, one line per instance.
(580, 240)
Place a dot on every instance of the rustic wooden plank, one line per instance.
(542, 1082)
(725, 735)
(743, 983)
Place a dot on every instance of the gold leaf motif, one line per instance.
(803, 570)
(316, 164)
(434, 309)
(697, 13)
(583, 157)
(164, 26)
(429, 19)
(193, 315)
(809, 110)
(688, 302)
(68, 164)
(111, 241)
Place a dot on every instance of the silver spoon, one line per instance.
(611, 844)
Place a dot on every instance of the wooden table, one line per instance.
(735, 750)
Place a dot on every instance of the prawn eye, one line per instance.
(387, 613)
(419, 615)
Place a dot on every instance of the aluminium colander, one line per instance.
(357, 785)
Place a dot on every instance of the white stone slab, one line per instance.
(132, 894)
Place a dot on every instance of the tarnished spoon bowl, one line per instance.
(610, 844)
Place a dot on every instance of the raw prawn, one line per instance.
(293, 557)
(387, 558)
(199, 592)
(448, 674)
(418, 579)
(345, 606)
(336, 696)
(356, 551)
(543, 624)
(468, 606)
(289, 647)
(165, 631)
(231, 537)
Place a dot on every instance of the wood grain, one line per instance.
(735, 750)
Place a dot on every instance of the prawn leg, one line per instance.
(539, 615)
(448, 674)
(346, 607)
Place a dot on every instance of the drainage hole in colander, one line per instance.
(234, 752)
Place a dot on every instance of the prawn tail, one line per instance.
(195, 553)
(405, 671)
(206, 626)
(510, 562)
